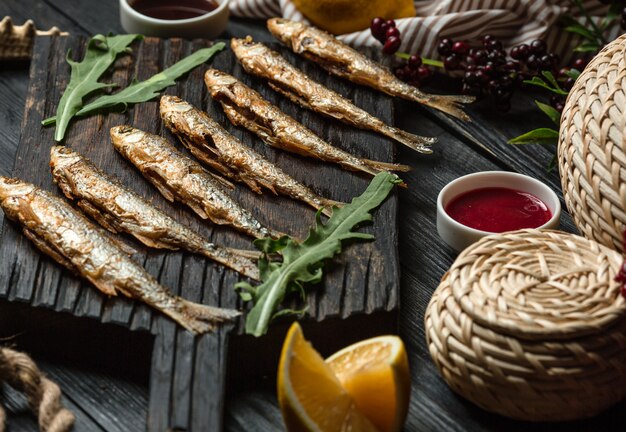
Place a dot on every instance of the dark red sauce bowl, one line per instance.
(489, 202)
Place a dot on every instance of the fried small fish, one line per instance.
(259, 60)
(73, 241)
(215, 147)
(346, 62)
(245, 107)
(179, 178)
(119, 209)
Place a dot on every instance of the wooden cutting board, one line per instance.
(359, 295)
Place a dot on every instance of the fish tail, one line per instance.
(450, 104)
(238, 260)
(198, 318)
(385, 166)
(415, 142)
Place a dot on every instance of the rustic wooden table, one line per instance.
(105, 396)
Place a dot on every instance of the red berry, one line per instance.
(392, 31)
(538, 47)
(563, 72)
(376, 28)
(391, 45)
(445, 47)
(460, 48)
(414, 61)
(423, 72)
(452, 62)
(580, 64)
(390, 23)
(493, 45)
(520, 52)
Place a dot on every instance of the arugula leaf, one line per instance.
(303, 262)
(537, 136)
(101, 54)
(142, 91)
(554, 115)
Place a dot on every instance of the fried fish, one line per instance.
(215, 147)
(119, 209)
(346, 62)
(179, 178)
(259, 60)
(245, 107)
(70, 239)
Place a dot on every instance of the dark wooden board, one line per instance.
(188, 374)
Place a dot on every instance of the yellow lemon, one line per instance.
(310, 396)
(362, 388)
(375, 372)
(346, 16)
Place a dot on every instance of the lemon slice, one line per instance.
(375, 372)
(311, 397)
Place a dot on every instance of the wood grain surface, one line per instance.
(188, 374)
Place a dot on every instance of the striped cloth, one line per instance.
(512, 21)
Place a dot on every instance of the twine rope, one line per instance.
(44, 396)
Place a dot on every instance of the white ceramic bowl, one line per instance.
(206, 26)
(459, 236)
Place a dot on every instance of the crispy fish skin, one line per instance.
(119, 209)
(259, 60)
(74, 242)
(215, 147)
(245, 107)
(346, 62)
(179, 178)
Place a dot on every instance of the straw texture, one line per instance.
(591, 149)
(530, 324)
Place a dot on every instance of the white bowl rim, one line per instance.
(556, 214)
(129, 9)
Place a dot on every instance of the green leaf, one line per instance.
(587, 47)
(303, 262)
(101, 54)
(581, 30)
(537, 136)
(554, 115)
(539, 82)
(548, 75)
(146, 90)
(573, 73)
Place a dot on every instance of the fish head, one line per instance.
(171, 105)
(14, 188)
(285, 30)
(63, 157)
(124, 135)
(246, 47)
(214, 78)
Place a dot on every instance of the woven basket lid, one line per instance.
(538, 284)
(591, 152)
(530, 324)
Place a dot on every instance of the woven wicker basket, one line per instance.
(16, 42)
(592, 147)
(531, 325)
